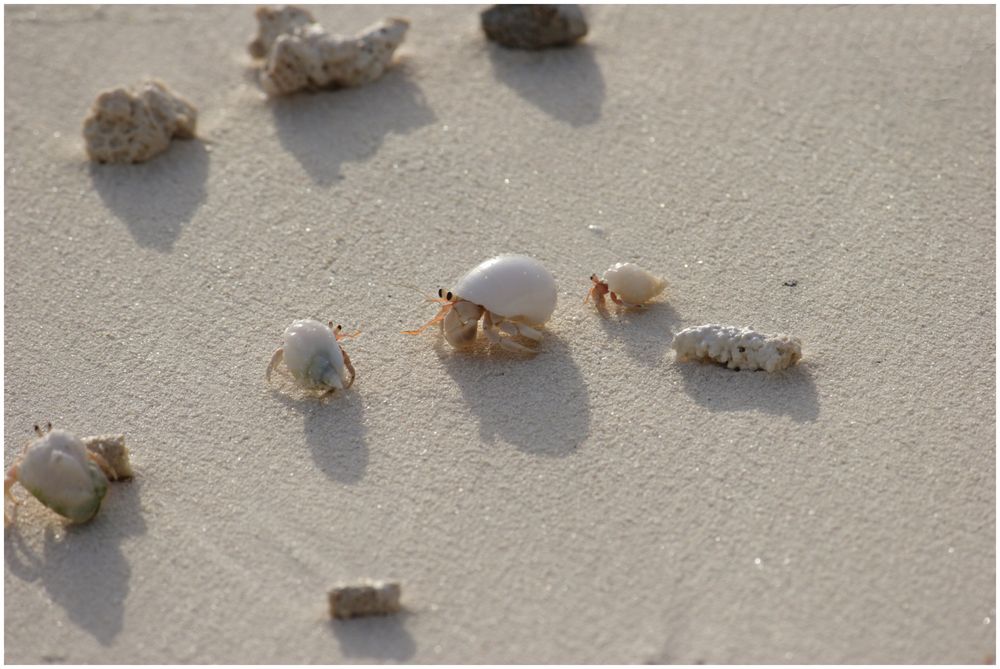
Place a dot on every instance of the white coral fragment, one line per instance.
(367, 598)
(737, 348)
(301, 55)
(273, 22)
(129, 126)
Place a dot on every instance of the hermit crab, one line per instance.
(628, 285)
(314, 356)
(511, 294)
(61, 473)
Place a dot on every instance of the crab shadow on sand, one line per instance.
(325, 129)
(564, 82)
(538, 403)
(644, 331)
(379, 638)
(84, 570)
(334, 429)
(790, 392)
(156, 199)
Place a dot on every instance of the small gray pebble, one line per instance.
(534, 26)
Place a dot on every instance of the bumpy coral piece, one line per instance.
(365, 599)
(111, 448)
(534, 26)
(273, 22)
(737, 348)
(302, 55)
(129, 126)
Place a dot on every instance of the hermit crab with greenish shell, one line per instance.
(67, 474)
(313, 355)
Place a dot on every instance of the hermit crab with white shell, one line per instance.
(627, 284)
(65, 474)
(511, 294)
(314, 357)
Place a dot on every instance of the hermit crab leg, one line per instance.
(9, 481)
(622, 303)
(101, 462)
(490, 329)
(349, 366)
(528, 331)
(275, 361)
(437, 319)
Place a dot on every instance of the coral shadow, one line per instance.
(157, 198)
(334, 430)
(538, 403)
(378, 637)
(646, 331)
(325, 129)
(564, 82)
(791, 392)
(85, 572)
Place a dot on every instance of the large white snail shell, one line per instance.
(511, 286)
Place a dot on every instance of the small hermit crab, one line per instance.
(314, 356)
(512, 294)
(61, 473)
(628, 285)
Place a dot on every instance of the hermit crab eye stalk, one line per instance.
(448, 296)
(440, 292)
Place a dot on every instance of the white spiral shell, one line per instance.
(515, 287)
(632, 283)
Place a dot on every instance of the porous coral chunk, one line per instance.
(130, 126)
(302, 55)
(737, 348)
(273, 22)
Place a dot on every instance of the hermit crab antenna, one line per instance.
(339, 334)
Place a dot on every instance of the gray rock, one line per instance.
(534, 26)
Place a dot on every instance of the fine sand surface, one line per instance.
(598, 503)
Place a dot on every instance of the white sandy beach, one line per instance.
(598, 503)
